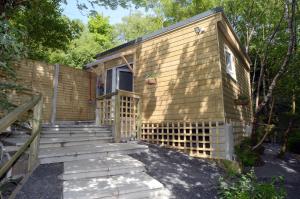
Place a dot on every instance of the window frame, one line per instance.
(230, 68)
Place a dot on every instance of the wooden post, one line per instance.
(36, 126)
(139, 119)
(117, 130)
(54, 97)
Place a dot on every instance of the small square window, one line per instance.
(230, 63)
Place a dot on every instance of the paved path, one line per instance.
(184, 176)
(289, 168)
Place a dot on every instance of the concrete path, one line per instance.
(289, 168)
(184, 176)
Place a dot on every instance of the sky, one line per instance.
(115, 16)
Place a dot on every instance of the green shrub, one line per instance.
(245, 154)
(247, 187)
(294, 142)
(232, 168)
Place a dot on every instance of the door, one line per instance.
(124, 79)
(118, 78)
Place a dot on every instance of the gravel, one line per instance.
(43, 183)
(184, 176)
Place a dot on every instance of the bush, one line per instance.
(294, 142)
(247, 187)
(245, 154)
(232, 168)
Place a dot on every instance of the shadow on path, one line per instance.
(184, 176)
(289, 168)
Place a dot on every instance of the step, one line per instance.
(79, 128)
(71, 153)
(71, 131)
(130, 186)
(104, 167)
(79, 134)
(60, 142)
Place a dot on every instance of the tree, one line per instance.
(96, 37)
(137, 25)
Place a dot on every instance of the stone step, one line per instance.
(129, 186)
(71, 153)
(60, 142)
(62, 134)
(104, 167)
(88, 129)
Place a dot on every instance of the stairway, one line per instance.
(94, 166)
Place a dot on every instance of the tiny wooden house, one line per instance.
(180, 87)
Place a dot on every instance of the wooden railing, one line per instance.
(121, 110)
(35, 103)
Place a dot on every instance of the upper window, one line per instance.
(230, 64)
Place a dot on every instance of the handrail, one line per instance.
(12, 116)
(120, 92)
(36, 104)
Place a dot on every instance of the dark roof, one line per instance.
(163, 30)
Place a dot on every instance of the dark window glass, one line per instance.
(125, 81)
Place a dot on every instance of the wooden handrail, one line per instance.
(36, 103)
(121, 93)
(12, 116)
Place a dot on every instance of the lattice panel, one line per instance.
(128, 117)
(199, 139)
(106, 111)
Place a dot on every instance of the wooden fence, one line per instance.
(74, 94)
(121, 110)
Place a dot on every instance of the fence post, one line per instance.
(117, 130)
(229, 143)
(139, 119)
(97, 122)
(54, 97)
(36, 126)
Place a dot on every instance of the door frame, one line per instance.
(115, 77)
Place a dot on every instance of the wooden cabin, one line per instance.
(186, 86)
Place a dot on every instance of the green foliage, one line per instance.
(247, 187)
(232, 168)
(245, 154)
(102, 30)
(46, 27)
(137, 25)
(97, 37)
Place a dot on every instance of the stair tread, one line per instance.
(87, 149)
(73, 132)
(110, 187)
(103, 164)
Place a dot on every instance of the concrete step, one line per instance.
(76, 128)
(129, 186)
(62, 134)
(60, 142)
(71, 153)
(104, 167)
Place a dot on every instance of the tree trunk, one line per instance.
(268, 129)
(291, 49)
(285, 139)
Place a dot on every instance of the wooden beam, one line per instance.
(108, 58)
(130, 68)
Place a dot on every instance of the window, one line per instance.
(230, 64)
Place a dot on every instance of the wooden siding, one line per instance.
(232, 88)
(73, 89)
(189, 83)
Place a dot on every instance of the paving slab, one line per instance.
(104, 167)
(113, 187)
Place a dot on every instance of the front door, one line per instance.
(118, 78)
